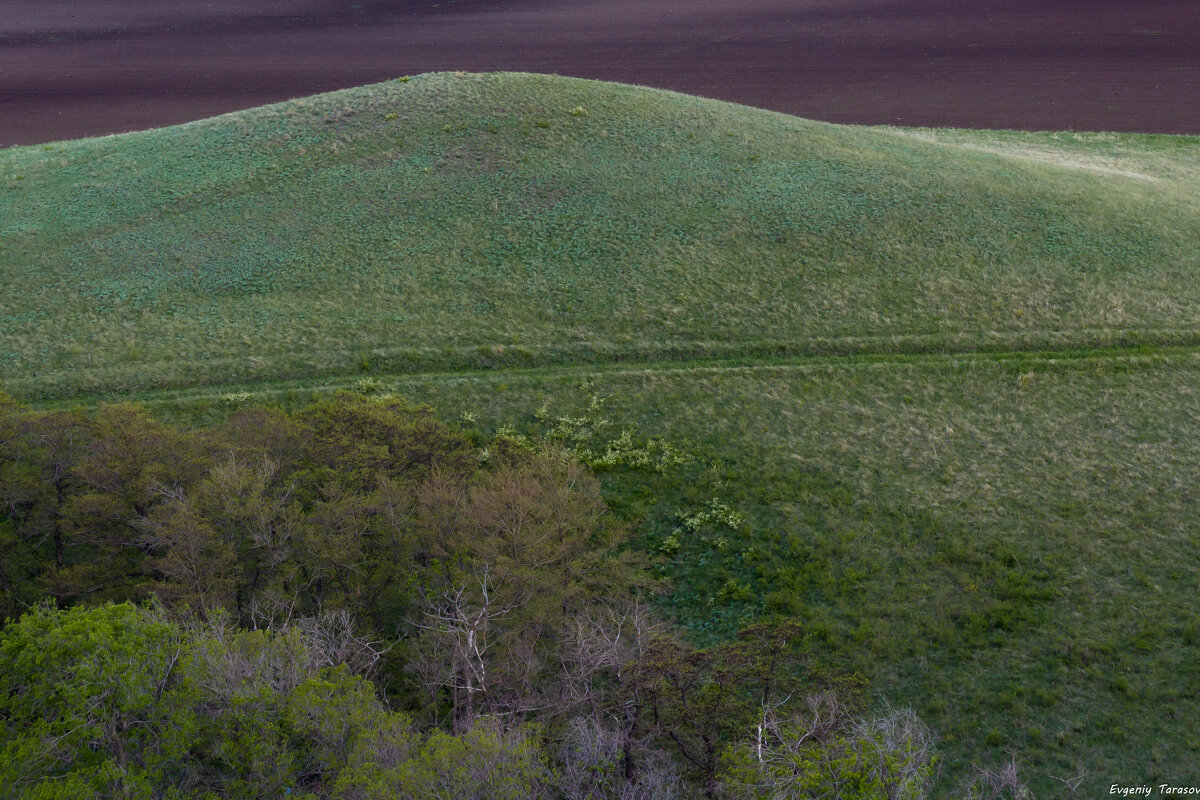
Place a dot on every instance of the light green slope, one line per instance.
(409, 224)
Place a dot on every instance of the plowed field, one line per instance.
(72, 68)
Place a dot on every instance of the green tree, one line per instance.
(701, 702)
(37, 456)
(483, 763)
(196, 567)
(91, 704)
(512, 558)
(133, 463)
(823, 752)
(352, 440)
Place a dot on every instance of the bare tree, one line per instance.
(823, 714)
(228, 661)
(603, 643)
(898, 748)
(459, 632)
(518, 559)
(591, 758)
(600, 659)
(823, 752)
(1071, 783)
(333, 639)
(997, 783)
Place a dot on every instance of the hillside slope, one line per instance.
(410, 224)
(949, 377)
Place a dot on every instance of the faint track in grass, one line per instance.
(1125, 358)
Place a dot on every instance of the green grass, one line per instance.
(948, 376)
(1005, 546)
(455, 220)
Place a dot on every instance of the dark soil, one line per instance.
(72, 68)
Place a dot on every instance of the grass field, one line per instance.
(949, 377)
(449, 221)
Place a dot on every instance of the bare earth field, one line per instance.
(72, 68)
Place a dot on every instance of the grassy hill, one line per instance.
(949, 376)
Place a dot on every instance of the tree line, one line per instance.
(356, 600)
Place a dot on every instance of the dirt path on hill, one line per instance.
(72, 68)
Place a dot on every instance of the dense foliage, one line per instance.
(357, 601)
(363, 506)
(117, 701)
